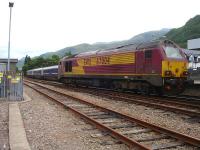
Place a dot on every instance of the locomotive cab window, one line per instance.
(68, 66)
(148, 54)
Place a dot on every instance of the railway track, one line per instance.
(131, 131)
(169, 104)
(181, 98)
(174, 106)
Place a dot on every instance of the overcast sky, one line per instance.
(40, 26)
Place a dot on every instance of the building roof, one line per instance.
(5, 60)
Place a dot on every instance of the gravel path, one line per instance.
(4, 142)
(178, 122)
(49, 126)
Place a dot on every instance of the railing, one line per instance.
(11, 86)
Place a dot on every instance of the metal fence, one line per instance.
(11, 86)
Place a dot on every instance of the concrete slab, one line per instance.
(27, 98)
(17, 134)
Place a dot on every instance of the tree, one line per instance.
(55, 59)
(39, 62)
(27, 59)
(69, 54)
(27, 63)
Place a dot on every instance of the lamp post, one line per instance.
(11, 4)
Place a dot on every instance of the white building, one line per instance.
(193, 44)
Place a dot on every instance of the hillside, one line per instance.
(143, 37)
(189, 31)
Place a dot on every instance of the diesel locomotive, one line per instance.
(158, 66)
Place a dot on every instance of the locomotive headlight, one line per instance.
(185, 73)
(168, 73)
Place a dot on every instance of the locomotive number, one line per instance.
(87, 61)
(103, 60)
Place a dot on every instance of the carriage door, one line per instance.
(60, 70)
(148, 61)
(140, 62)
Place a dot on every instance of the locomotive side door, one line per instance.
(139, 62)
(148, 61)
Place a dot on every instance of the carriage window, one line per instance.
(68, 66)
(148, 54)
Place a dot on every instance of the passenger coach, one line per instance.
(48, 73)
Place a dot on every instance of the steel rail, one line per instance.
(186, 138)
(182, 99)
(168, 99)
(150, 97)
(165, 100)
(155, 105)
(131, 143)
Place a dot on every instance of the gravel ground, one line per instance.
(193, 91)
(4, 142)
(178, 122)
(49, 126)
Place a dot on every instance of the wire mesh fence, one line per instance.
(11, 86)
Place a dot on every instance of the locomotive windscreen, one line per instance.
(172, 52)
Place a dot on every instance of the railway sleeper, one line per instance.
(122, 126)
(102, 117)
(135, 131)
(168, 145)
(152, 138)
(96, 114)
(108, 121)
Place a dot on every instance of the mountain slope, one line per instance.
(189, 31)
(144, 37)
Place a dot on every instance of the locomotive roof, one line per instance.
(124, 48)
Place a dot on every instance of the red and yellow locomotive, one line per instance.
(155, 66)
